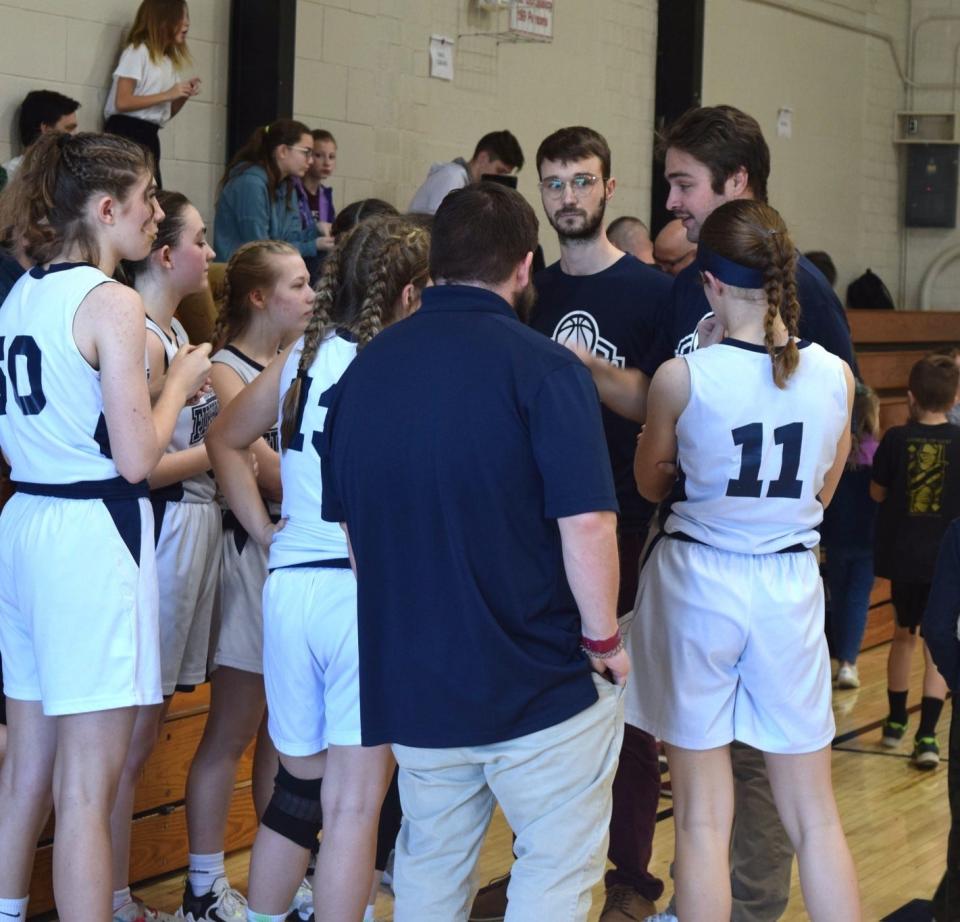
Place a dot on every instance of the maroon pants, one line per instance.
(636, 786)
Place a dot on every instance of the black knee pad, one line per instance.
(294, 810)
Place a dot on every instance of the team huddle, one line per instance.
(400, 531)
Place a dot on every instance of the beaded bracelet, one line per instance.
(607, 654)
(602, 649)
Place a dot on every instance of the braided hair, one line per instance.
(753, 234)
(363, 279)
(252, 266)
(45, 204)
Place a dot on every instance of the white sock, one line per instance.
(264, 917)
(203, 871)
(15, 909)
(121, 898)
(368, 914)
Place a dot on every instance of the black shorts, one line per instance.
(909, 602)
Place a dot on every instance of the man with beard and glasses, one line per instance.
(463, 453)
(602, 301)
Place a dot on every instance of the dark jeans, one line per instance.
(145, 133)
(849, 577)
(636, 795)
(636, 786)
(946, 901)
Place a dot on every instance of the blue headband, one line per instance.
(727, 271)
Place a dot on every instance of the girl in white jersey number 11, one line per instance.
(728, 637)
(78, 587)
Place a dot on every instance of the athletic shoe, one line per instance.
(221, 904)
(490, 904)
(847, 676)
(624, 904)
(137, 911)
(926, 753)
(301, 909)
(892, 733)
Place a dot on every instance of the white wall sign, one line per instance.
(532, 18)
(441, 57)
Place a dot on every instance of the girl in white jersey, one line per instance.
(267, 303)
(311, 665)
(78, 587)
(186, 515)
(728, 636)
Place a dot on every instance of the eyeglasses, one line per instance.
(581, 184)
(306, 151)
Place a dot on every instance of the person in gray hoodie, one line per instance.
(496, 153)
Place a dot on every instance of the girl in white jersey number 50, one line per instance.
(728, 637)
(78, 585)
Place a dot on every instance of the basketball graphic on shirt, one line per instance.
(580, 329)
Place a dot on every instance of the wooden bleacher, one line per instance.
(888, 343)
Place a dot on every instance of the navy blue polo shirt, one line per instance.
(822, 319)
(613, 313)
(454, 442)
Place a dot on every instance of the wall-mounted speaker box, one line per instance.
(932, 185)
(262, 50)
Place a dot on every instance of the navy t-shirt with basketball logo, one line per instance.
(613, 314)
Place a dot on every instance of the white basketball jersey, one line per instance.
(247, 370)
(52, 428)
(752, 456)
(192, 421)
(306, 537)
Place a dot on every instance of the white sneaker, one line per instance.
(301, 909)
(136, 911)
(221, 904)
(847, 676)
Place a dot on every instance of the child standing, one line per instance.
(267, 303)
(186, 516)
(728, 637)
(916, 480)
(78, 584)
(373, 278)
(847, 536)
(147, 91)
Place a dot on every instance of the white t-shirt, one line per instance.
(151, 78)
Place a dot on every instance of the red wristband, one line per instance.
(599, 647)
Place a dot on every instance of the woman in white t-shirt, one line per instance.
(147, 91)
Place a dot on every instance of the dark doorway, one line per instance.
(262, 41)
(679, 82)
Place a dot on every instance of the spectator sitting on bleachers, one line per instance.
(42, 111)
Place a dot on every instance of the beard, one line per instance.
(588, 228)
(523, 302)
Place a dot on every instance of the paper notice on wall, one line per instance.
(785, 123)
(441, 57)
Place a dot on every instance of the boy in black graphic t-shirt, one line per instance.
(916, 479)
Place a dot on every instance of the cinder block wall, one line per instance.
(73, 45)
(363, 73)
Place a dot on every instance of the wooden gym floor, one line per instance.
(896, 817)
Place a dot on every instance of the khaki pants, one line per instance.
(554, 787)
